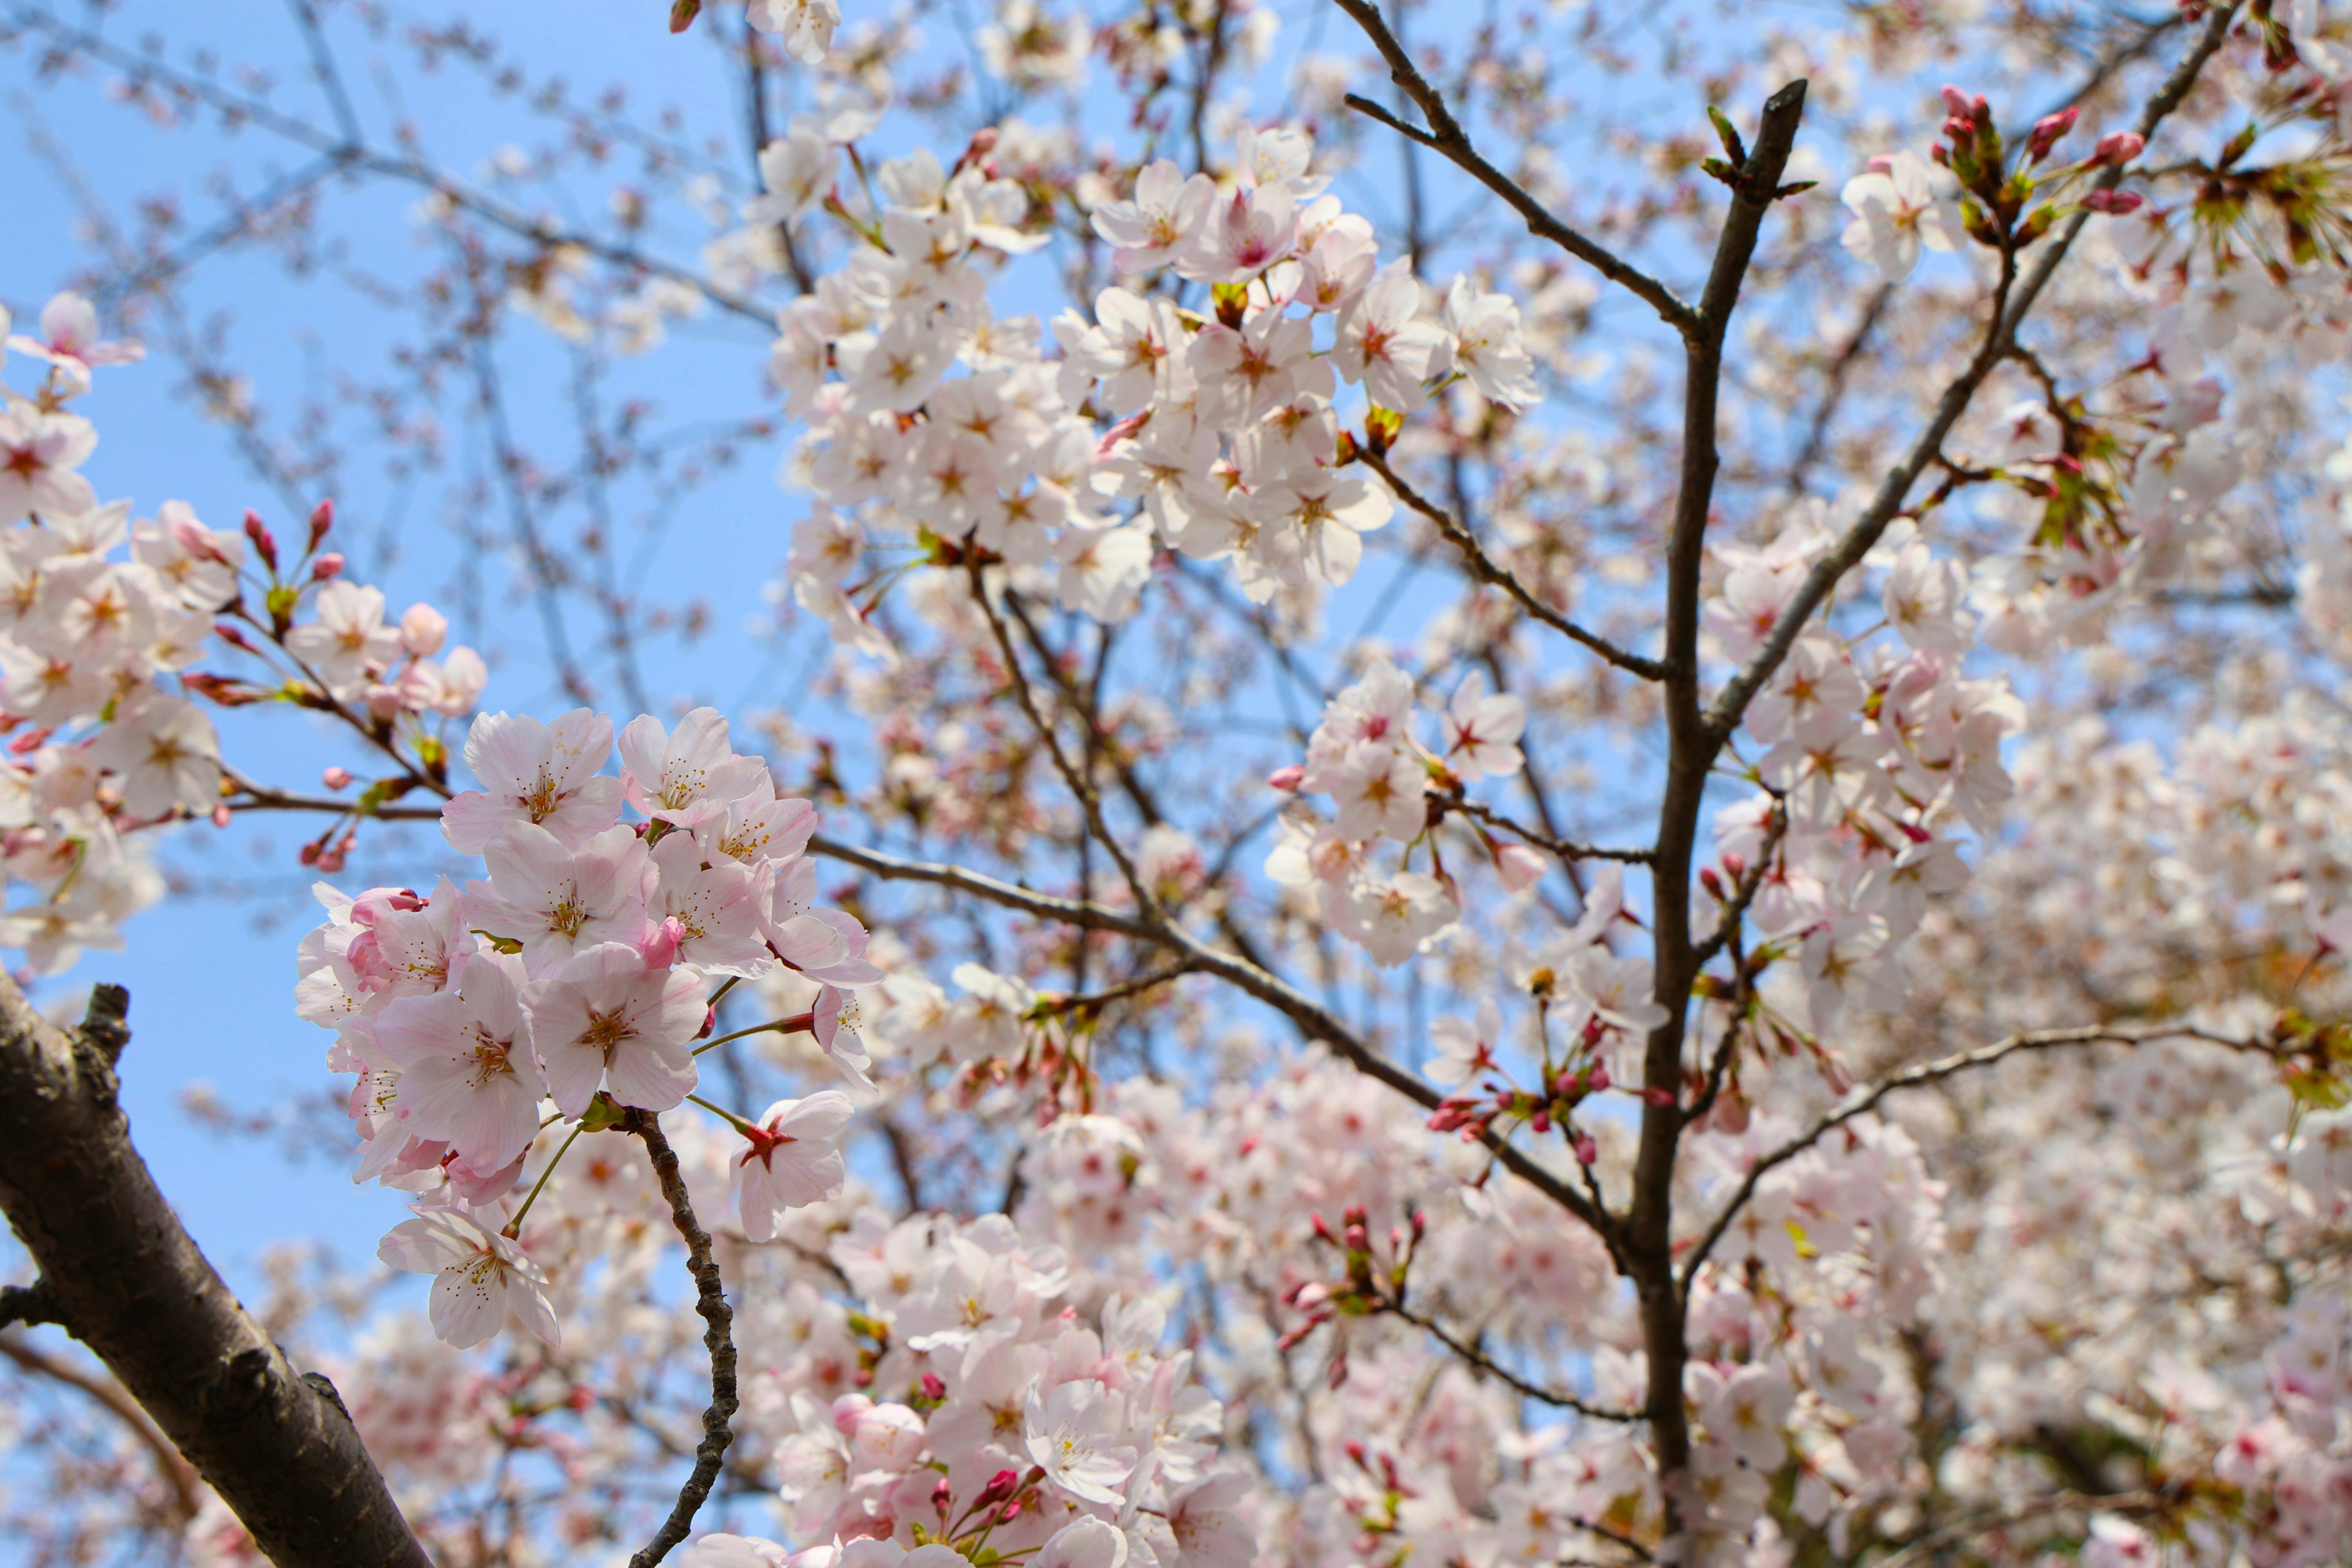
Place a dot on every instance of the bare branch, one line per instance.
(1314, 1021)
(1489, 1367)
(710, 1302)
(1446, 136)
(1485, 568)
(1565, 849)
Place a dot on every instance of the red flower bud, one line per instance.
(2119, 147)
(2113, 202)
(322, 518)
(263, 544)
(2047, 131)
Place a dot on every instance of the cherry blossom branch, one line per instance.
(261, 797)
(1079, 783)
(1094, 1000)
(1754, 176)
(128, 1282)
(1565, 849)
(1731, 703)
(1314, 1021)
(1868, 1097)
(710, 1302)
(1446, 136)
(1486, 1365)
(1485, 569)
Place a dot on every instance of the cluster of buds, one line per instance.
(1367, 1284)
(1008, 1494)
(1998, 204)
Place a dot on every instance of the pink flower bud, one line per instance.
(1519, 867)
(2119, 147)
(2048, 129)
(1587, 1151)
(1955, 101)
(2115, 203)
(220, 815)
(384, 701)
(660, 943)
(265, 543)
(322, 518)
(326, 567)
(422, 630)
(336, 778)
(1286, 779)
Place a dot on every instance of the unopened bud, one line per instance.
(2113, 203)
(327, 567)
(1286, 779)
(2119, 147)
(1955, 101)
(220, 815)
(322, 518)
(263, 544)
(336, 778)
(935, 1389)
(2047, 131)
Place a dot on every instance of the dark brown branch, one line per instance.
(1446, 137)
(717, 1318)
(1487, 1365)
(1565, 849)
(1314, 1021)
(1485, 569)
(1755, 181)
(129, 1282)
(1080, 785)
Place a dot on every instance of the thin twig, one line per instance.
(1867, 1098)
(1505, 1375)
(1565, 849)
(1485, 568)
(1314, 1021)
(1446, 136)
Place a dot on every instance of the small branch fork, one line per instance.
(710, 1302)
(1446, 137)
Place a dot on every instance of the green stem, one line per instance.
(728, 1116)
(798, 1023)
(513, 1231)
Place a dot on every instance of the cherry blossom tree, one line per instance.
(1515, 834)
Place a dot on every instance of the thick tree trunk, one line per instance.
(119, 1273)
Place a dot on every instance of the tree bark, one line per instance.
(121, 1275)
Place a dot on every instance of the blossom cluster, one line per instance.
(572, 982)
(1380, 782)
(1211, 432)
(102, 620)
